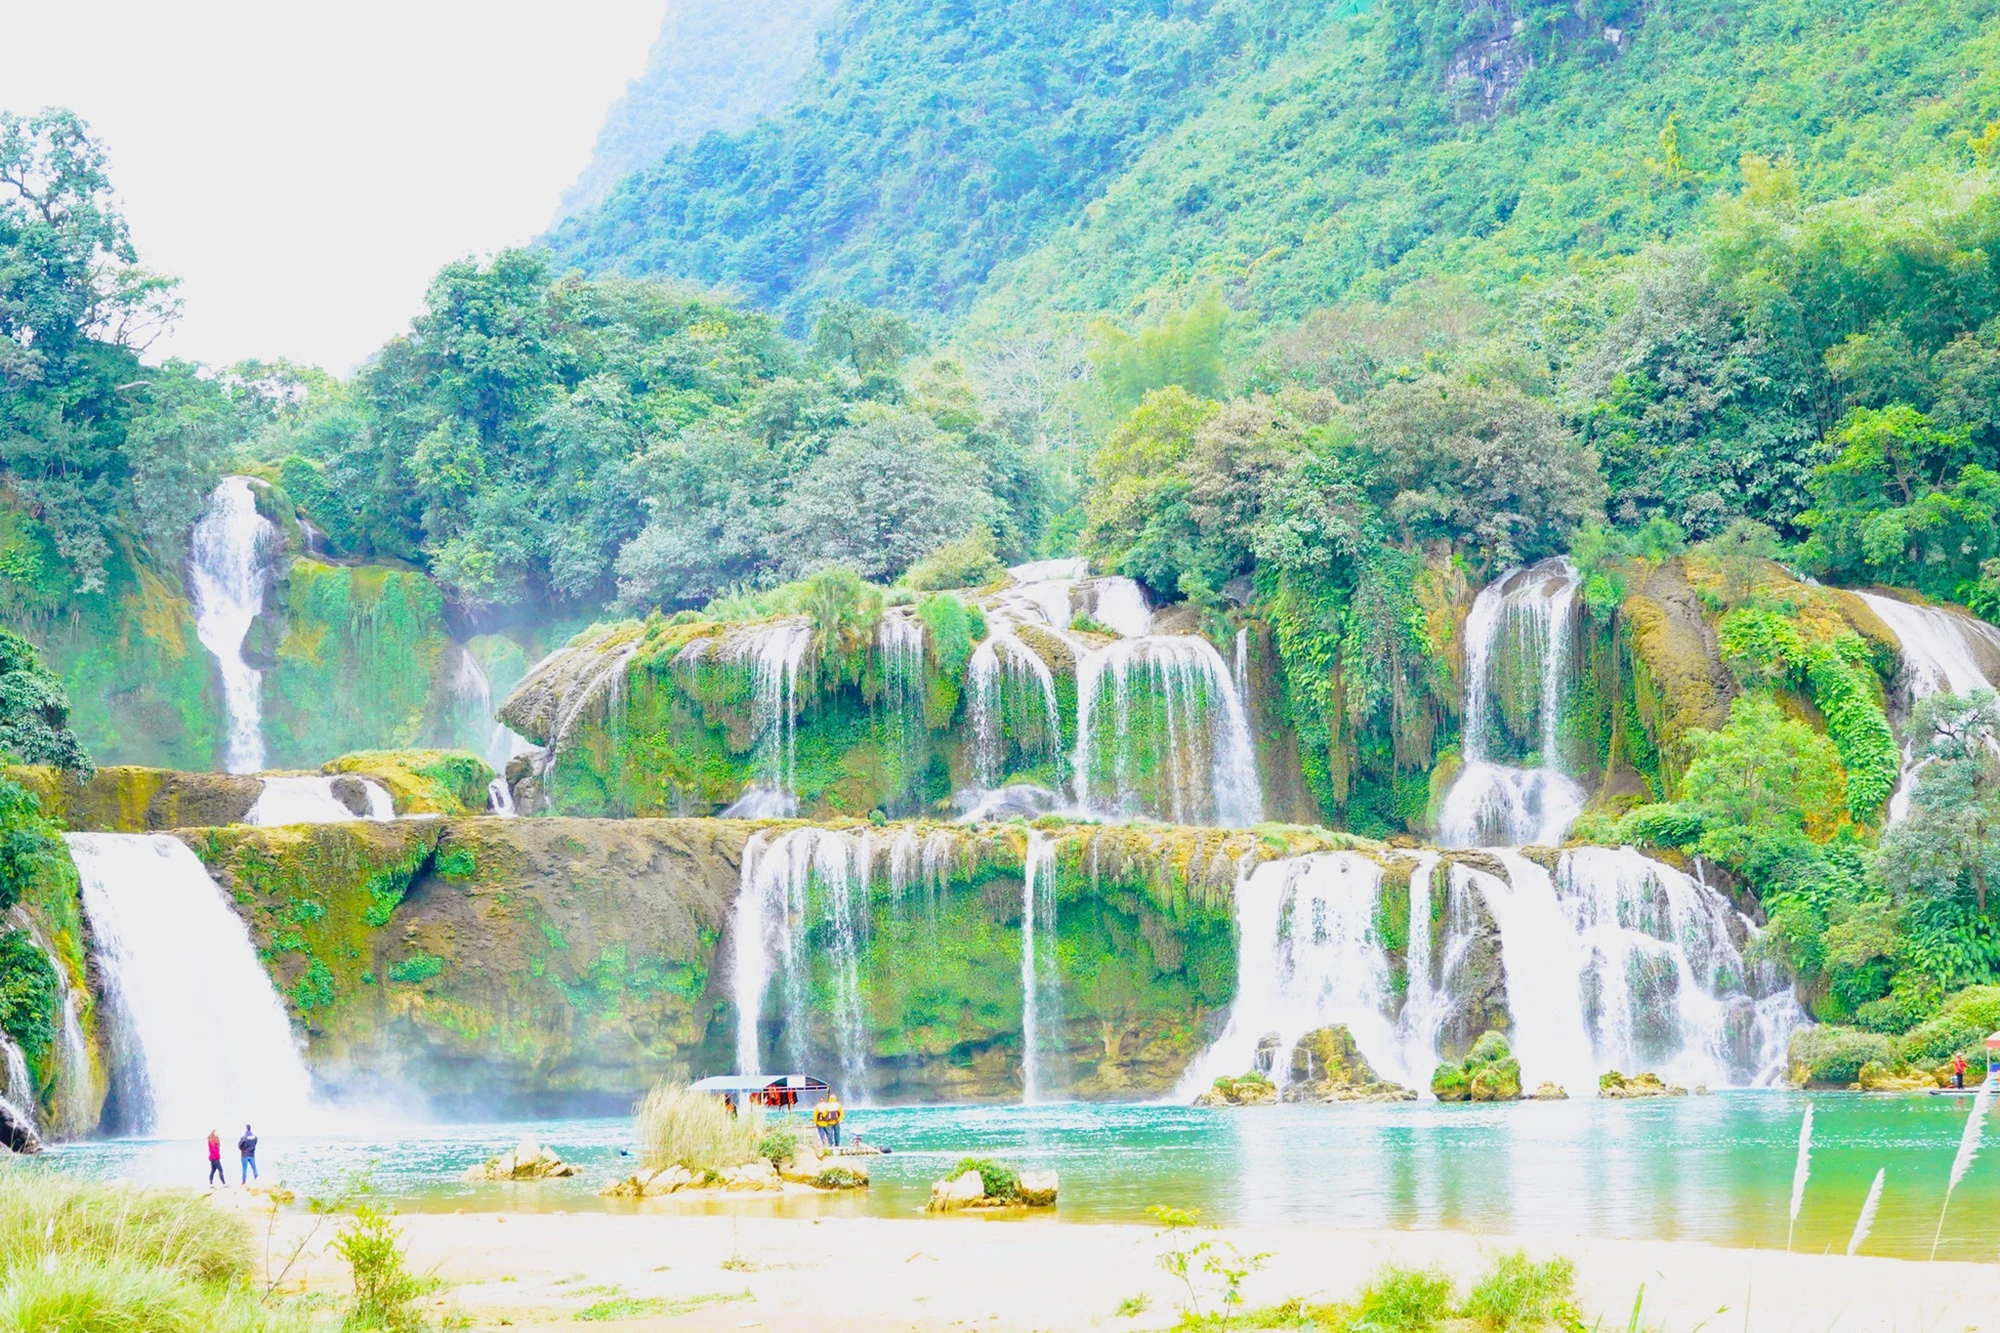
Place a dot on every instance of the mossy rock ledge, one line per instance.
(1489, 1073)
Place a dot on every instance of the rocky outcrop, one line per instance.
(1326, 1066)
(126, 799)
(1253, 1089)
(17, 1131)
(986, 1185)
(1615, 1086)
(1489, 1073)
(527, 1160)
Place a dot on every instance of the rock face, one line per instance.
(554, 964)
(1489, 1073)
(17, 1132)
(120, 799)
(527, 1160)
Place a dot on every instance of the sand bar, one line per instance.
(537, 1271)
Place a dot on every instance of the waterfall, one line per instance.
(1041, 591)
(72, 1053)
(1613, 962)
(1004, 678)
(501, 742)
(775, 654)
(1941, 652)
(790, 883)
(1426, 1001)
(207, 1036)
(1120, 606)
(17, 1084)
(1041, 976)
(1498, 804)
(305, 799)
(228, 575)
(1308, 956)
(1195, 765)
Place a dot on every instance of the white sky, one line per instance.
(304, 167)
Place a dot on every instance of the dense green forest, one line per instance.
(1311, 315)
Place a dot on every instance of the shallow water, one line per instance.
(1714, 1168)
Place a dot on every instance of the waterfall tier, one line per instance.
(1520, 650)
(775, 654)
(1943, 652)
(308, 799)
(1162, 731)
(228, 575)
(203, 1033)
(1614, 961)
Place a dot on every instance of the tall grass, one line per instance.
(1800, 1173)
(1866, 1222)
(80, 1257)
(692, 1129)
(1968, 1148)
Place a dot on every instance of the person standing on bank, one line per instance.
(215, 1171)
(247, 1145)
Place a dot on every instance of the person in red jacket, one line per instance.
(215, 1171)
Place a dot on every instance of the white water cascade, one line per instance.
(1613, 962)
(1004, 676)
(1198, 766)
(72, 1053)
(1942, 654)
(228, 575)
(1041, 984)
(1500, 805)
(309, 799)
(776, 654)
(208, 1037)
(1041, 591)
(790, 883)
(470, 684)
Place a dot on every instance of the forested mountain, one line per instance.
(713, 67)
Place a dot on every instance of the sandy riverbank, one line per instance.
(537, 1271)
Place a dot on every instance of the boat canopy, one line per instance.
(776, 1090)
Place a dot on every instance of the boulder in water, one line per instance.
(527, 1160)
(1037, 1189)
(1326, 1066)
(1489, 1073)
(1548, 1092)
(1619, 1087)
(964, 1190)
(1253, 1089)
(17, 1132)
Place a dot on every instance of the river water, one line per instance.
(1715, 1169)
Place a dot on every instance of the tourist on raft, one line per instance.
(826, 1119)
(247, 1145)
(215, 1171)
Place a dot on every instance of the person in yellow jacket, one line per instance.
(826, 1119)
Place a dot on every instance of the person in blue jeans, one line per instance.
(247, 1145)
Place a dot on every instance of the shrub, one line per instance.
(780, 1143)
(385, 1290)
(417, 967)
(1834, 1055)
(837, 1178)
(968, 562)
(1490, 1047)
(1663, 824)
(680, 1127)
(1961, 1025)
(1519, 1295)
(998, 1182)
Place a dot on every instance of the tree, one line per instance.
(75, 308)
(1951, 839)
(884, 494)
(1763, 774)
(1181, 350)
(34, 711)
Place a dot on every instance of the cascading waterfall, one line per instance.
(775, 654)
(228, 575)
(201, 1024)
(72, 1053)
(1120, 605)
(1614, 961)
(306, 799)
(1004, 676)
(1041, 984)
(1308, 956)
(1941, 655)
(1496, 804)
(776, 907)
(1196, 766)
(471, 684)
(1041, 591)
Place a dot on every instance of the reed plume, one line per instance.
(1800, 1172)
(1864, 1223)
(1968, 1148)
